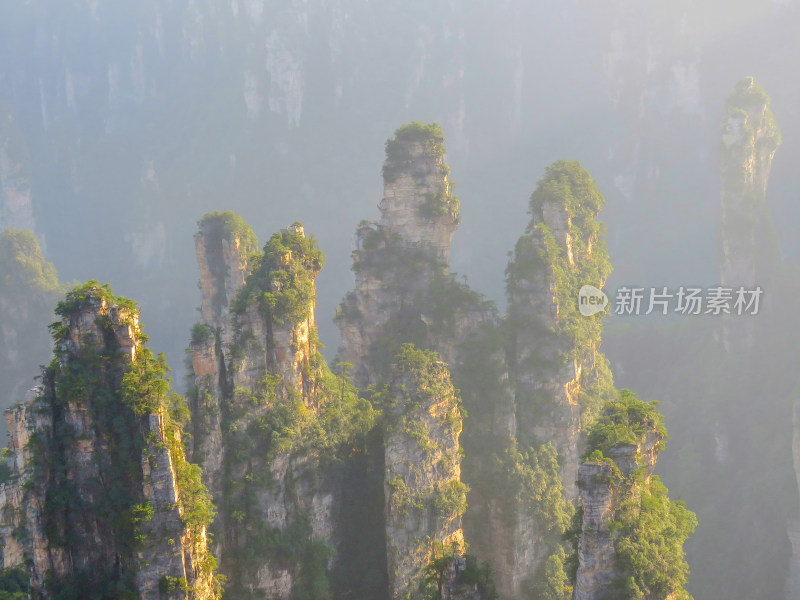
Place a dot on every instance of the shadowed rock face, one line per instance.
(75, 450)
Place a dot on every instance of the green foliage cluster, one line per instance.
(398, 156)
(201, 332)
(648, 529)
(119, 395)
(532, 479)
(385, 255)
(329, 426)
(625, 421)
(748, 115)
(14, 584)
(473, 574)
(442, 203)
(23, 268)
(649, 532)
(281, 283)
(91, 294)
(218, 225)
(551, 581)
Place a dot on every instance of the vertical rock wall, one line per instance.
(78, 482)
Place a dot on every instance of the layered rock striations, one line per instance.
(630, 538)
(100, 498)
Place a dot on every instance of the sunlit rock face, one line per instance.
(602, 493)
(424, 496)
(61, 447)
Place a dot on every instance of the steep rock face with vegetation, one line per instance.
(29, 289)
(630, 543)
(530, 404)
(278, 420)
(559, 373)
(99, 499)
(750, 139)
(223, 246)
(424, 494)
(403, 291)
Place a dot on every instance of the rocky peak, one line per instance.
(624, 507)
(418, 203)
(424, 494)
(400, 263)
(224, 244)
(101, 496)
(561, 250)
(750, 139)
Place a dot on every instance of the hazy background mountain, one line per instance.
(122, 123)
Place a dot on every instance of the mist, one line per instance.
(123, 124)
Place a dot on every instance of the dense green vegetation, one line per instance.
(119, 395)
(323, 421)
(398, 155)
(14, 584)
(648, 530)
(440, 568)
(281, 283)
(221, 225)
(625, 421)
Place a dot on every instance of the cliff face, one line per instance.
(268, 434)
(631, 535)
(601, 497)
(750, 138)
(555, 354)
(400, 263)
(100, 496)
(424, 494)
